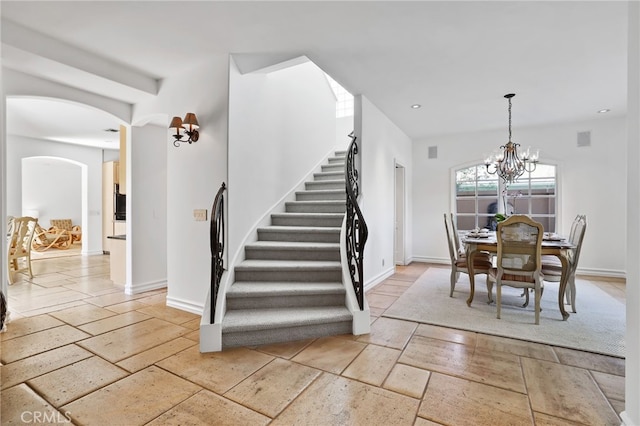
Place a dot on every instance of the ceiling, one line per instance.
(564, 60)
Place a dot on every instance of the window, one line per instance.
(344, 99)
(478, 197)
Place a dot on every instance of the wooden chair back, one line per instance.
(519, 248)
(19, 245)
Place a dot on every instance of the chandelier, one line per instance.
(507, 163)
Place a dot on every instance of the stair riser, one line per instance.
(285, 301)
(337, 160)
(288, 334)
(321, 196)
(332, 167)
(306, 221)
(328, 176)
(292, 236)
(301, 275)
(275, 254)
(320, 185)
(337, 207)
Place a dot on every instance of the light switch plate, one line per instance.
(200, 215)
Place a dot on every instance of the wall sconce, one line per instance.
(189, 126)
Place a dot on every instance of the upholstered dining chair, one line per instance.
(519, 262)
(481, 261)
(19, 246)
(552, 268)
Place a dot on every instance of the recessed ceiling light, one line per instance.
(416, 106)
(602, 111)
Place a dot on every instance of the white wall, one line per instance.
(631, 415)
(147, 204)
(110, 155)
(344, 126)
(19, 148)
(53, 188)
(591, 181)
(3, 180)
(194, 174)
(381, 144)
(281, 125)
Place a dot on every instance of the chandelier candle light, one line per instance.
(507, 163)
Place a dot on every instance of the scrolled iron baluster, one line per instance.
(356, 232)
(216, 241)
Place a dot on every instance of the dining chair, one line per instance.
(552, 267)
(456, 235)
(19, 246)
(481, 261)
(519, 259)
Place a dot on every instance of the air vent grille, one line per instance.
(433, 152)
(584, 139)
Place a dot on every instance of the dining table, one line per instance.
(552, 245)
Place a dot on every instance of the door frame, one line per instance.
(399, 214)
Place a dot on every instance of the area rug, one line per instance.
(598, 326)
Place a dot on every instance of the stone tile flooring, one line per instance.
(79, 350)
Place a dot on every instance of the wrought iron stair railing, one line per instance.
(356, 229)
(216, 239)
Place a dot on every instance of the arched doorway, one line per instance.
(43, 127)
(54, 188)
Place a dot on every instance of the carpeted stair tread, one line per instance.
(292, 245)
(340, 182)
(241, 289)
(339, 202)
(267, 319)
(288, 265)
(328, 175)
(322, 195)
(325, 184)
(305, 214)
(302, 229)
(316, 206)
(307, 219)
(319, 215)
(323, 191)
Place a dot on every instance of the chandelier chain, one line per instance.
(509, 119)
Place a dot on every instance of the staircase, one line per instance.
(289, 287)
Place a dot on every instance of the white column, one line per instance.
(3, 186)
(631, 415)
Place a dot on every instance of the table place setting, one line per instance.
(478, 233)
(552, 236)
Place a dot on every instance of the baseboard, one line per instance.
(426, 259)
(601, 273)
(184, 305)
(378, 279)
(142, 287)
(92, 253)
